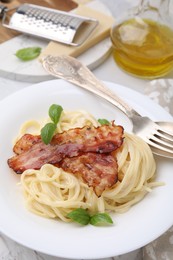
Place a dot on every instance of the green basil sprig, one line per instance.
(101, 219)
(29, 53)
(103, 121)
(55, 113)
(48, 130)
(82, 217)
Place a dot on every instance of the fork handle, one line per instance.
(72, 70)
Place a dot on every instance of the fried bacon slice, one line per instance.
(26, 142)
(88, 149)
(99, 171)
(88, 136)
(40, 154)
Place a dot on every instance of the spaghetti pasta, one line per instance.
(53, 193)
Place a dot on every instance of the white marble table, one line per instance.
(161, 92)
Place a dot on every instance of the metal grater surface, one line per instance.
(51, 24)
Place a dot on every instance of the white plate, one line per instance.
(141, 224)
(32, 71)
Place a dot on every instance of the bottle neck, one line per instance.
(159, 6)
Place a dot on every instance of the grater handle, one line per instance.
(3, 9)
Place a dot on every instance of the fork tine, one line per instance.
(165, 134)
(159, 146)
(162, 140)
(162, 153)
(155, 135)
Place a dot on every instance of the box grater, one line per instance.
(64, 27)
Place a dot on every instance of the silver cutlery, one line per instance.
(158, 135)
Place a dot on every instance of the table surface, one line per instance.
(162, 248)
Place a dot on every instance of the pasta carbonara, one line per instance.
(51, 192)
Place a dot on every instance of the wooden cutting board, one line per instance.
(63, 5)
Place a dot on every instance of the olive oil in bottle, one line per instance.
(143, 47)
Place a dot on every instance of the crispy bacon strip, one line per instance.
(81, 146)
(91, 136)
(99, 171)
(26, 142)
(40, 154)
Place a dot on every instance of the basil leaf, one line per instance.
(55, 113)
(29, 53)
(80, 216)
(100, 219)
(103, 121)
(47, 132)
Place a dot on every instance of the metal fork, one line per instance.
(70, 69)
